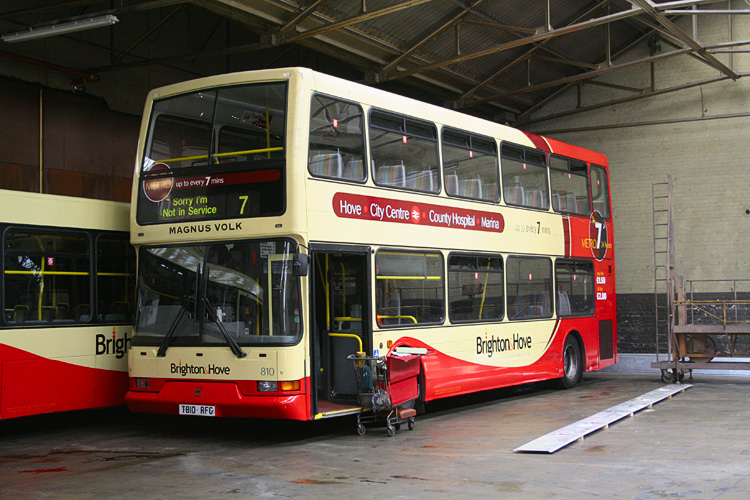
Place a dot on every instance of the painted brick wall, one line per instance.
(701, 140)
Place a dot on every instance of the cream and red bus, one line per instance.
(284, 219)
(67, 290)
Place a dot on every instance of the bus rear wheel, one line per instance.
(572, 364)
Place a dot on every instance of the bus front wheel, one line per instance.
(572, 364)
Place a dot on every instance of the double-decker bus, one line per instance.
(284, 219)
(67, 290)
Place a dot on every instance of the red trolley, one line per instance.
(386, 384)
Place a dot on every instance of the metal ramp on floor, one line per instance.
(564, 436)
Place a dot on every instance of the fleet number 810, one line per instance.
(267, 372)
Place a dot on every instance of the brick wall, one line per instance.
(700, 137)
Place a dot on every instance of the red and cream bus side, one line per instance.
(285, 219)
(68, 283)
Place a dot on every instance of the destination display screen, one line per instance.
(168, 197)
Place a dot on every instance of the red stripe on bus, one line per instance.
(33, 385)
(566, 233)
(539, 142)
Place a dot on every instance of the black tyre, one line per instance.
(411, 424)
(572, 364)
(361, 429)
(391, 431)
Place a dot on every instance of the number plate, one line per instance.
(198, 410)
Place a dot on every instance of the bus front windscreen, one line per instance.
(215, 154)
(197, 294)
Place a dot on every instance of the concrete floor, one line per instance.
(695, 445)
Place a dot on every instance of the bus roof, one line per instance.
(20, 207)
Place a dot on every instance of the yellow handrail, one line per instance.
(221, 155)
(380, 316)
(349, 335)
(50, 273)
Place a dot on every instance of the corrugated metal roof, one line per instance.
(435, 42)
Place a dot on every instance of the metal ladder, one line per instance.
(664, 268)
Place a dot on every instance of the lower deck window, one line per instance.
(529, 287)
(575, 287)
(409, 288)
(475, 288)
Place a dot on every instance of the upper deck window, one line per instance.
(470, 166)
(569, 184)
(215, 154)
(404, 152)
(600, 190)
(524, 177)
(337, 141)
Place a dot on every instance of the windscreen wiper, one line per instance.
(236, 349)
(172, 328)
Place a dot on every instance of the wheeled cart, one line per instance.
(386, 385)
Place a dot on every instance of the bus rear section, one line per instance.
(67, 292)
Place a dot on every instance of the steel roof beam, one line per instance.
(301, 16)
(354, 20)
(523, 41)
(451, 22)
(649, 8)
(705, 11)
(521, 58)
(584, 76)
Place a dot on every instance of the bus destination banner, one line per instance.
(352, 206)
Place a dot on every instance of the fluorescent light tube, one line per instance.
(60, 29)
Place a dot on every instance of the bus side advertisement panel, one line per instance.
(487, 360)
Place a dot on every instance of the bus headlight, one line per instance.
(141, 383)
(267, 386)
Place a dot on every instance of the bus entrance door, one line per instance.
(340, 327)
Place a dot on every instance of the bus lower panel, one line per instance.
(225, 396)
(34, 385)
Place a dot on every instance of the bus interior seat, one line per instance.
(392, 175)
(329, 165)
(451, 184)
(490, 191)
(421, 180)
(534, 198)
(48, 314)
(63, 311)
(20, 314)
(471, 188)
(557, 199)
(83, 312)
(355, 170)
(514, 195)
